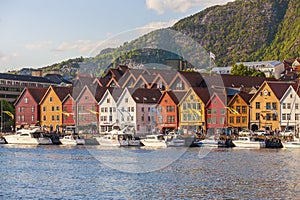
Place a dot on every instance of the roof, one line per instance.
(261, 63)
(62, 92)
(36, 93)
(279, 88)
(245, 96)
(24, 78)
(194, 78)
(203, 94)
(57, 78)
(145, 95)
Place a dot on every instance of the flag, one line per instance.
(9, 114)
(212, 55)
(233, 111)
(94, 112)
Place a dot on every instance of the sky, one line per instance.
(37, 33)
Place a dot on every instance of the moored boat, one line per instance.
(28, 136)
(208, 142)
(156, 140)
(72, 140)
(247, 142)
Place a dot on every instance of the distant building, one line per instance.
(270, 68)
(221, 70)
(11, 85)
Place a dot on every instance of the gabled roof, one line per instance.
(145, 95)
(62, 92)
(279, 88)
(202, 93)
(193, 78)
(245, 96)
(36, 93)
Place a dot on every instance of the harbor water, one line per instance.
(59, 172)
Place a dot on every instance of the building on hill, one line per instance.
(271, 68)
(12, 85)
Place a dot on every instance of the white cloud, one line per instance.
(38, 45)
(81, 46)
(8, 57)
(158, 25)
(181, 5)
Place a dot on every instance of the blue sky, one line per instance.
(37, 33)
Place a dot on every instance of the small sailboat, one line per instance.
(293, 144)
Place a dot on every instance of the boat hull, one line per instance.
(15, 139)
(149, 143)
(294, 145)
(250, 144)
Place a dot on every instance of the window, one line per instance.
(209, 111)
(291, 95)
(238, 119)
(132, 109)
(257, 115)
(184, 106)
(32, 118)
(108, 100)
(222, 120)
(257, 105)
(86, 97)
(288, 116)
(50, 99)
(57, 117)
(268, 117)
(22, 118)
(244, 119)
(297, 116)
(26, 100)
(53, 118)
(126, 100)
(170, 119)
(52, 108)
(44, 118)
(110, 118)
(214, 111)
(288, 105)
(238, 109)
(32, 108)
(149, 118)
(274, 105)
(142, 118)
(296, 106)
(57, 108)
(198, 106)
(283, 106)
(231, 120)
(170, 108)
(283, 116)
(222, 111)
(142, 109)
(244, 109)
(274, 117)
(268, 105)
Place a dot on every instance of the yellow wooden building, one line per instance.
(51, 107)
(265, 105)
(238, 111)
(191, 110)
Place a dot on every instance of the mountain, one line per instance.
(243, 30)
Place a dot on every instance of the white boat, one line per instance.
(27, 136)
(118, 137)
(208, 142)
(174, 140)
(72, 140)
(154, 141)
(110, 140)
(247, 142)
(294, 144)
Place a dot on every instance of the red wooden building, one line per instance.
(27, 109)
